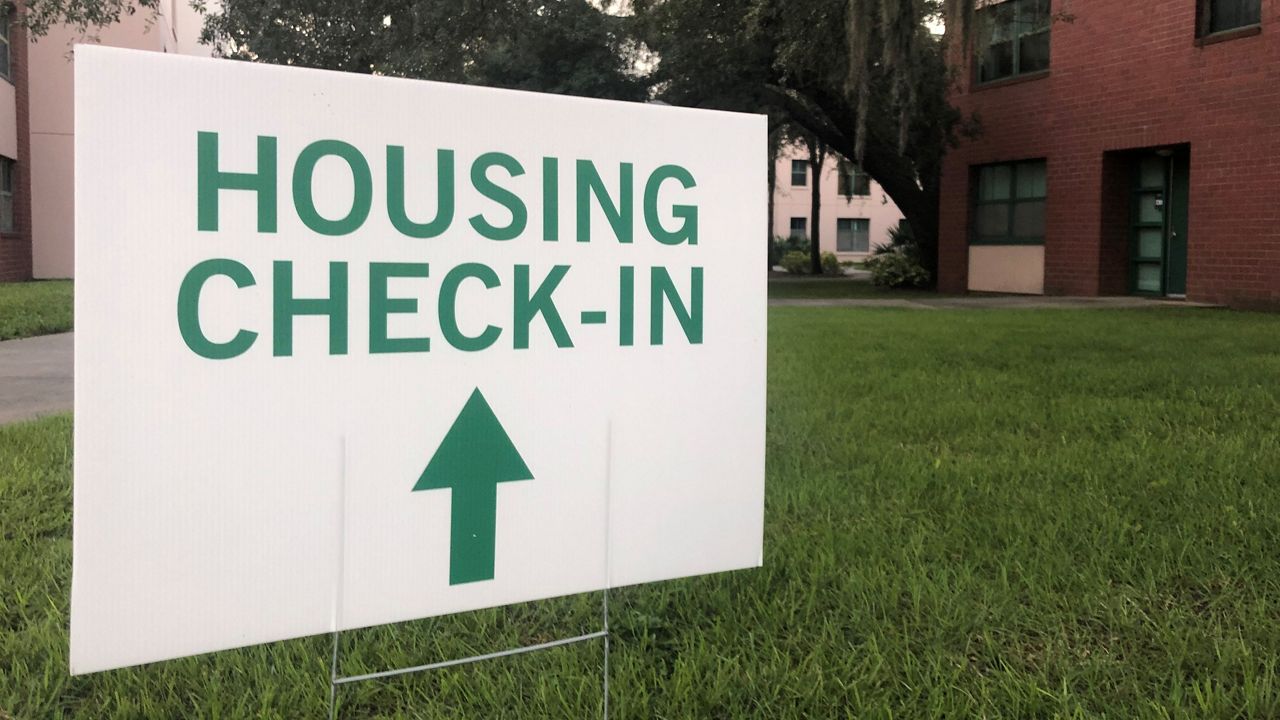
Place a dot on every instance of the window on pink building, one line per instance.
(799, 227)
(852, 180)
(853, 235)
(799, 173)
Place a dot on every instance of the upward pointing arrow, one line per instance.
(475, 455)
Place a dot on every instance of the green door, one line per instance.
(1175, 257)
(1158, 245)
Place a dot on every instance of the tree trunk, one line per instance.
(817, 154)
(917, 197)
(921, 213)
(918, 201)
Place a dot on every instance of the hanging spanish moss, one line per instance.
(886, 39)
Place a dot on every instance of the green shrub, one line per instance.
(782, 245)
(897, 263)
(897, 268)
(796, 262)
(831, 264)
(902, 234)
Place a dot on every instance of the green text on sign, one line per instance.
(536, 315)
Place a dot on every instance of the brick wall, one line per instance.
(1127, 75)
(15, 247)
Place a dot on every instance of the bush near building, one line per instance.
(35, 308)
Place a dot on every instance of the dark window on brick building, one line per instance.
(852, 180)
(6, 194)
(1015, 39)
(4, 45)
(1221, 15)
(1009, 204)
(799, 173)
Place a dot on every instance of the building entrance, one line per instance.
(1158, 223)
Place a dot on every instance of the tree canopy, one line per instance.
(84, 16)
(566, 46)
(866, 77)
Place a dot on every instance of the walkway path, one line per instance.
(1016, 302)
(36, 373)
(35, 377)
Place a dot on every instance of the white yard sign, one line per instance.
(353, 350)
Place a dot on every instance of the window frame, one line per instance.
(803, 165)
(976, 202)
(804, 222)
(853, 221)
(1204, 23)
(979, 56)
(1163, 191)
(6, 32)
(8, 180)
(848, 176)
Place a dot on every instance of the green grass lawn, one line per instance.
(830, 288)
(999, 514)
(34, 308)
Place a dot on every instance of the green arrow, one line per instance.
(473, 458)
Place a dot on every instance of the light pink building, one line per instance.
(856, 213)
(37, 131)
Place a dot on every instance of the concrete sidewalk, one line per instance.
(1014, 302)
(35, 377)
(36, 373)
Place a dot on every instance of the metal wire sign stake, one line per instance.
(335, 680)
(603, 634)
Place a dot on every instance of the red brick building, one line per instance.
(1126, 147)
(15, 172)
